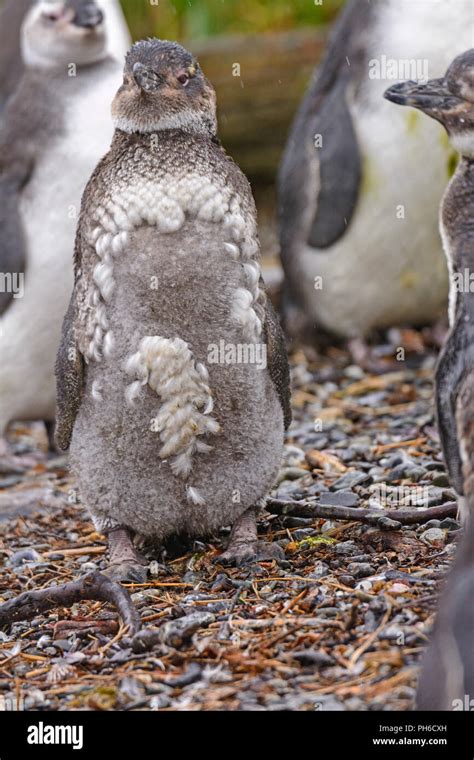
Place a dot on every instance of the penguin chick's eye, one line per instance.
(183, 79)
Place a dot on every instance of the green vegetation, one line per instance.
(194, 19)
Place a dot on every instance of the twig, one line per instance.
(91, 586)
(369, 516)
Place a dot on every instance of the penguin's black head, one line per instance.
(164, 88)
(449, 100)
(58, 32)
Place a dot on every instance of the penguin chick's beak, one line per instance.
(146, 79)
(86, 14)
(433, 97)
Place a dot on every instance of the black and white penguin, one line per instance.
(448, 673)
(358, 227)
(55, 128)
(171, 432)
(12, 14)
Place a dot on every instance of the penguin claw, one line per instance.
(239, 554)
(128, 571)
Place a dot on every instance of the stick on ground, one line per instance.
(370, 516)
(94, 586)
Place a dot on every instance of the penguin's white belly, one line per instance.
(389, 267)
(49, 208)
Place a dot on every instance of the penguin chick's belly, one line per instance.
(133, 460)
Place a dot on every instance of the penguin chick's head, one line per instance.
(59, 32)
(164, 88)
(449, 100)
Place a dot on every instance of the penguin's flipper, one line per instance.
(320, 174)
(15, 171)
(12, 14)
(70, 378)
(340, 169)
(277, 360)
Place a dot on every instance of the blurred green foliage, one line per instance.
(194, 19)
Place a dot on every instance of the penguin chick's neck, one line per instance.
(185, 121)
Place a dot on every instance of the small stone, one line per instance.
(312, 657)
(434, 536)
(349, 480)
(440, 479)
(432, 524)
(303, 533)
(345, 548)
(347, 580)
(340, 499)
(23, 556)
(360, 569)
(386, 523)
(398, 588)
(328, 525)
(364, 586)
(89, 566)
(449, 524)
(62, 644)
(293, 456)
(290, 473)
(320, 570)
(10, 481)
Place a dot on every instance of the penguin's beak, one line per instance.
(145, 78)
(433, 98)
(87, 14)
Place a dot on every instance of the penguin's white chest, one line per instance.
(49, 210)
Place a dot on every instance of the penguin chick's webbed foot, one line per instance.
(244, 548)
(125, 564)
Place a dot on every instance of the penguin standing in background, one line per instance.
(12, 14)
(358, 227)
(448, 673)
(171, 433)
(54, 130)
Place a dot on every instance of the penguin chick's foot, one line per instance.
(126, 564)
(244, 547)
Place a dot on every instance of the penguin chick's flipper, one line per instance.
(340, 169)
(244, 548)
(70, 378)
(277, 360)
(126, 564)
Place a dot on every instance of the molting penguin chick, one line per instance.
(448, 673)
(175, 426)
(55, 128)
